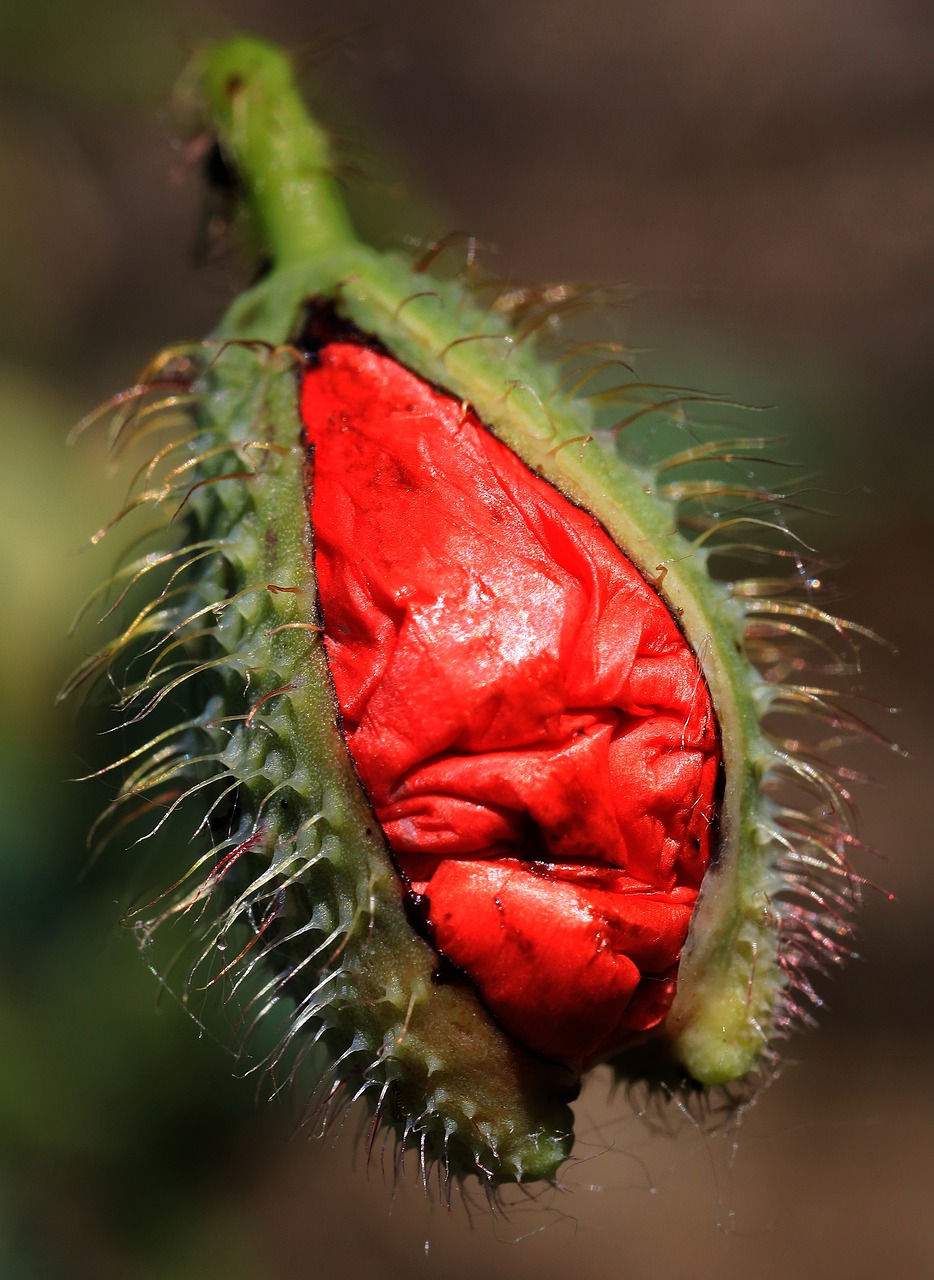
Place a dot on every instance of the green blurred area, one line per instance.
(122, 1128)
(129, 1144)
(114, 1120)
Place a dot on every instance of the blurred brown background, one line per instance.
(763, 171)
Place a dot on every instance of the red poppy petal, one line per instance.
(586, 948)
(511, 688)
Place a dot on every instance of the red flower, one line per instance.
(529, 723)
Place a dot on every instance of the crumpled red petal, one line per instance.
(529, 724)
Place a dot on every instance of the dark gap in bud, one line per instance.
(653, 1063)
(417, 907)
(718, 795)
(323, 325)
(446, 973)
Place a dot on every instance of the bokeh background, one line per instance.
(763, 172)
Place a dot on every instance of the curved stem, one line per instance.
(281, 157)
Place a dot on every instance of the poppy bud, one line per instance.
(477, 737)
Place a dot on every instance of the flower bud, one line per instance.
(475, 738)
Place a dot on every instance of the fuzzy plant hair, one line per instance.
(279, 889)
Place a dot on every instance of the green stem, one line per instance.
(282, 158)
